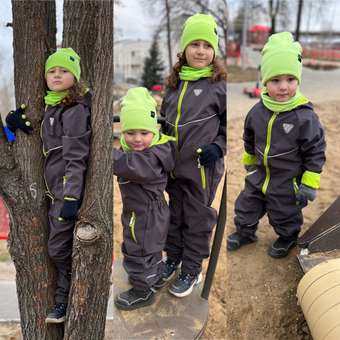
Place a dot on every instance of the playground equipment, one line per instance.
(254, 92)
(169, 317)
(4, 221)
(319, 290)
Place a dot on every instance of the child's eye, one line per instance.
(291, 79)
(144, 133)
(206, 45)
(275, 80)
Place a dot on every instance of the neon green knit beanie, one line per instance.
(200, 27)
(66, 58)
(281, 55)
(138, 111)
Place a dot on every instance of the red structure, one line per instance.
(258, 35)
(4, 221)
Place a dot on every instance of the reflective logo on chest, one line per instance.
(197, 92)
(287, 127)
(51, 121)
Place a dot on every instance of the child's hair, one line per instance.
(219, 71)
(77, 90)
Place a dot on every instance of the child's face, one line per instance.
(282, 88)
(138, 140)
(59, 79)
(199, 53)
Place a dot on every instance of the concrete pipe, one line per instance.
(318, 294)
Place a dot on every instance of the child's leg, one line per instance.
(286, 218)
(60, 251)
(174, 242)
(249, 209)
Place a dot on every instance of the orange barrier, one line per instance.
(4, 221)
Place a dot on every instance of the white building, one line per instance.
(128, 59)
(129, 56)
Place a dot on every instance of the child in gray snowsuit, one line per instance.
(284, 151)
(195, 111)
(65, 132)
(142, 169)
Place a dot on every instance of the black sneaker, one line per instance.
(169, 269)
(57, 314)
(236, 240)
(133, 299)
(184, 284)
(281, 247)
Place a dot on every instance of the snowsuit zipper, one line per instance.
(179, 107)
(266, 152)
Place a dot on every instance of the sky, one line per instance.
(134, 21)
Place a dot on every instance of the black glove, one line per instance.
(209, 154)
(305, 194)
(69, 211)
(17, 120)
(250, 168)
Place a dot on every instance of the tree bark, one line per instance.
(88, 28)
(21, 170)
(79, 32)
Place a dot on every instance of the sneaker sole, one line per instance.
(188, 291)
(136, 305)
(274, 252)
(234, 245)
(60, 320)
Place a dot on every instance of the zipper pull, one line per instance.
(199, 151)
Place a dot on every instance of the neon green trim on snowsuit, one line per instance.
(165, 139)
(132, 225)
(311, 179)
(295, 185)
(202, 171)
(266, 151)
(179, 106)
(248, 158)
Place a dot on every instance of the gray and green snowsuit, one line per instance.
(65, 132)
(195, 115)
(287, 148)
(142, 178)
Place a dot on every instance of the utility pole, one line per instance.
(298, 20)
(244, 36)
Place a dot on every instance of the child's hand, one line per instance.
(209, 154)
(250, 168)
(69, 211)
(304, 195)
(17, 120)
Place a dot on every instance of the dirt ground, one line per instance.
(260, 291)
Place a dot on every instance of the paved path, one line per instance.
(318, 86)
(9, 304)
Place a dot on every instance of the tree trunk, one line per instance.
(88, 28)
(168, 31)
(80, 20)
(21, 170)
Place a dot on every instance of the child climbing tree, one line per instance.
(22, 184)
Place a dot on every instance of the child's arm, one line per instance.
(312, 145)
(138, 166)
(248, 158)
(76, 147)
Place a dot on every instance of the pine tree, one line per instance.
(153, 66)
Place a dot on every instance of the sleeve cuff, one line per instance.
(311, 179)
(248, 159)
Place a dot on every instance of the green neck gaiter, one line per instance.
(54, 98)
(127, 148)
(275, 106)
(191, 73)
